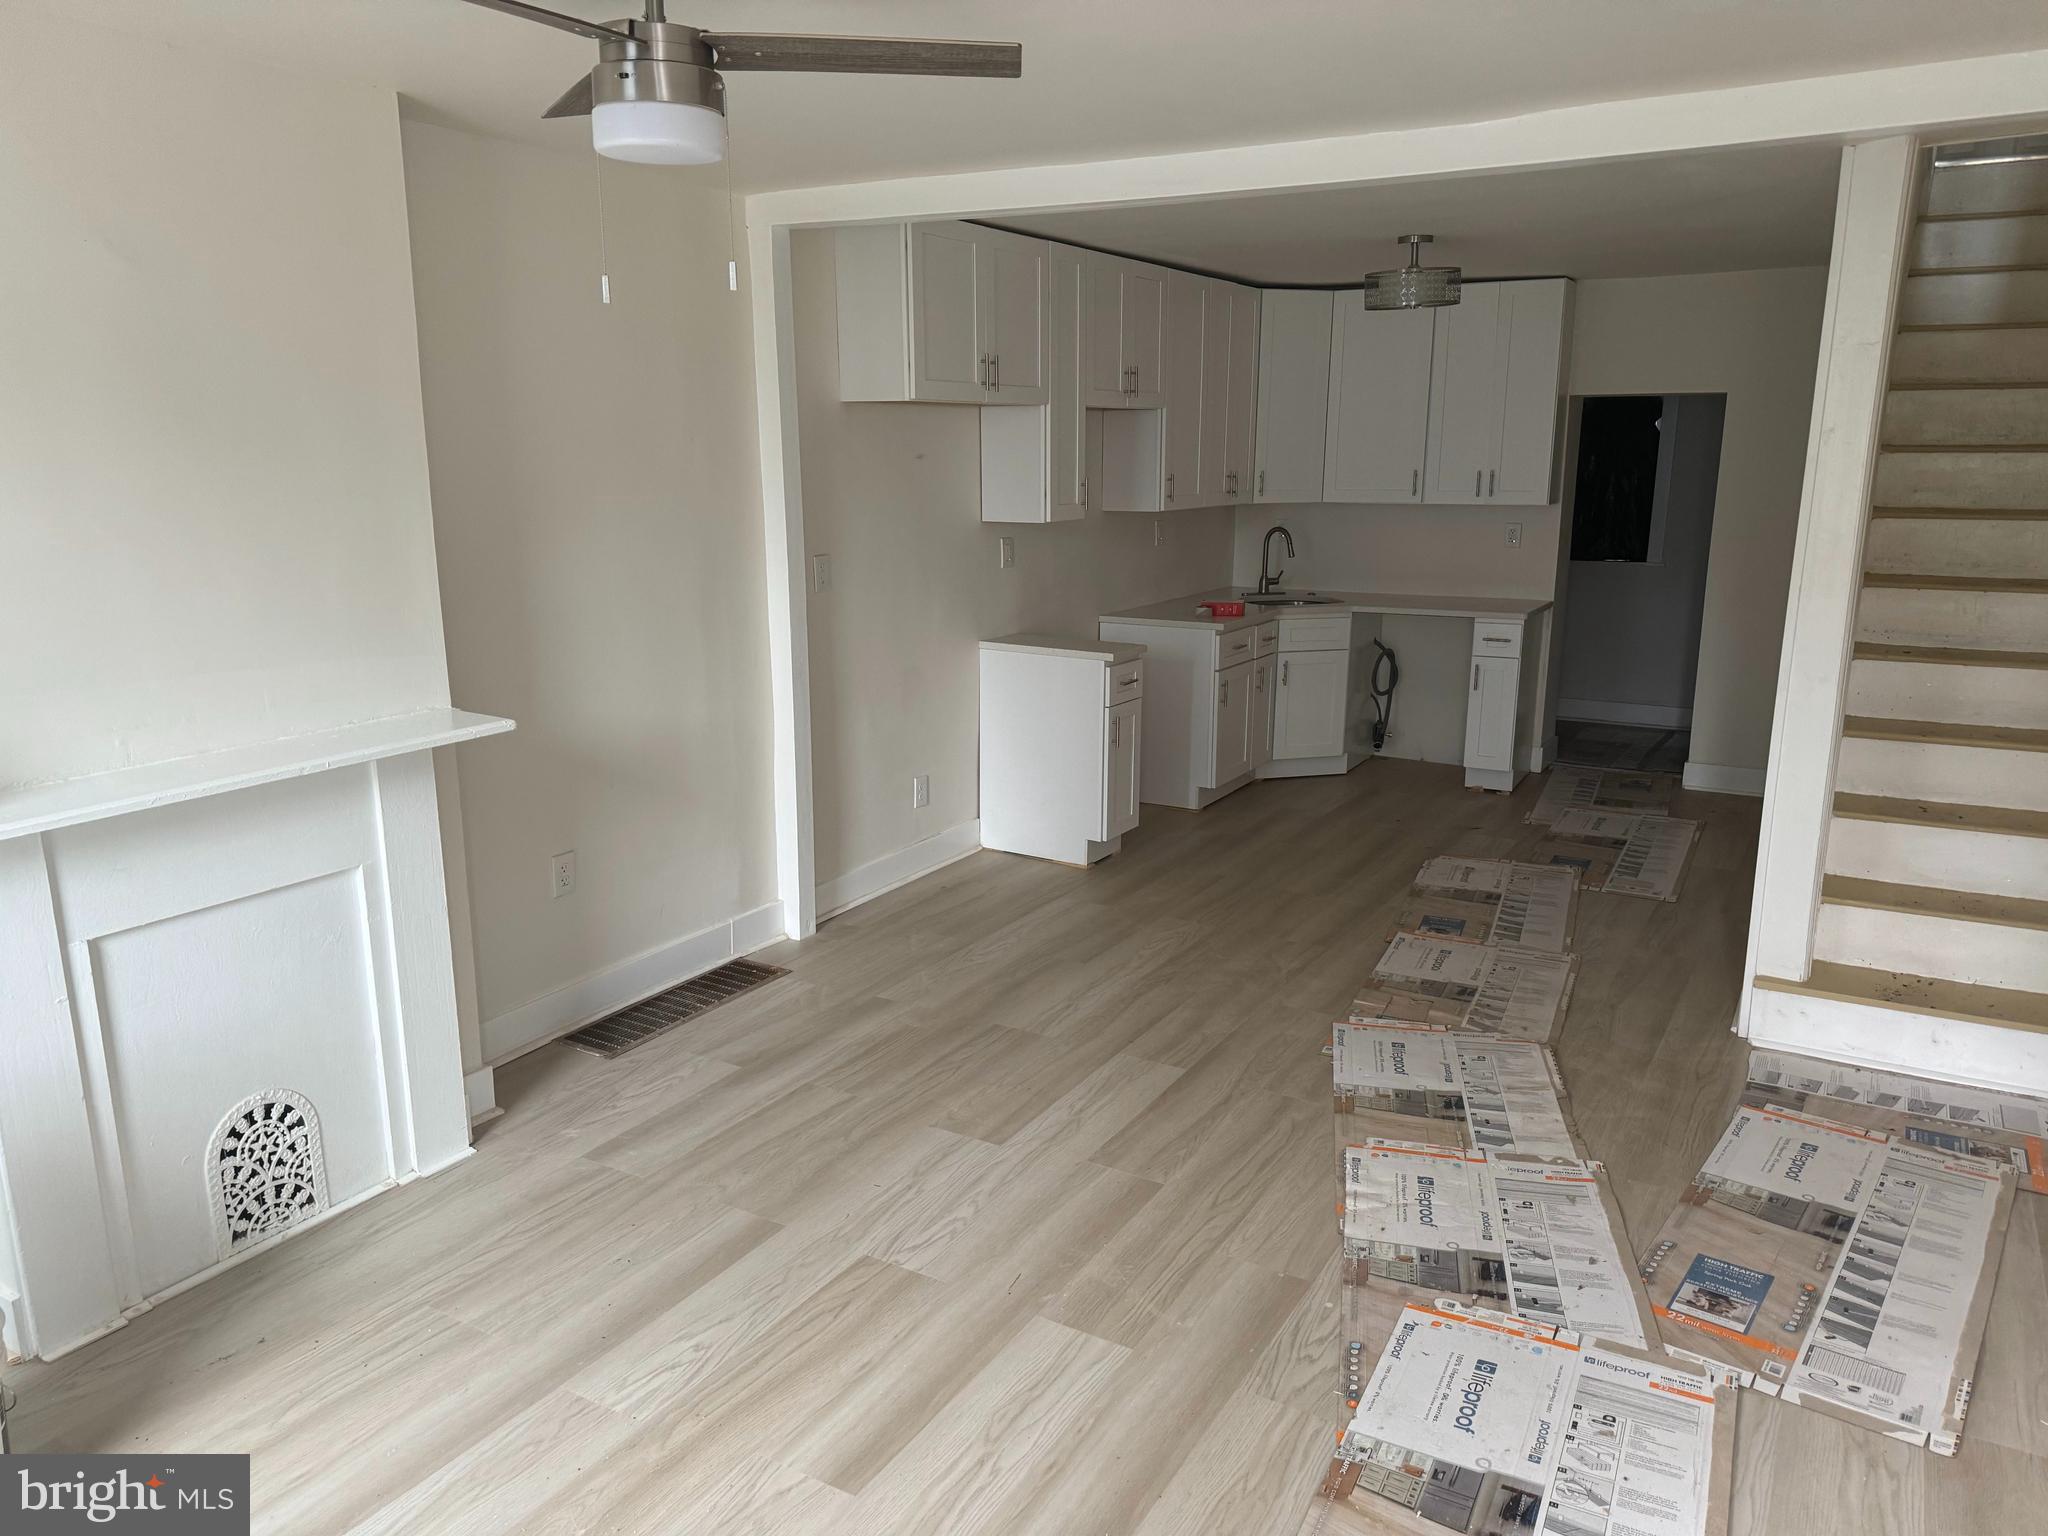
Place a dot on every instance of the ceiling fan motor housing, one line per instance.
(665, 61)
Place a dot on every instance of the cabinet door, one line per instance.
(1490, 713)
(1242, 405)
(1016, 310)
(1264, 671)
(1144, 334)
(948, 344)
(1294, 394)
(1465, 384)
(1102, 321)
(1212, 482)
(1066, 419)
(1121, 729)
(1232, 757)
(1379, 402)
(1309, 705)
(1532, 391)
(1185, 299)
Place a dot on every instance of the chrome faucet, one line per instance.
(1271, 582)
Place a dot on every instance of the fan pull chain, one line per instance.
(732, 238)
(604, 259)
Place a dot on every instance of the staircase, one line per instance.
(1935, 894)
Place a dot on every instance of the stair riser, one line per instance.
(1971, 356)
(1989, 188)
(1989, 621)
(2013, 1059)
(1906, 690)
(1966, 415)
(1961, 480)
(1982, 954)
(1918, 770)
(1974, 298)
(1981, 242)
(1945, 857)
(1950, 546)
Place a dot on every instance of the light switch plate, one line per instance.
(1006, 552)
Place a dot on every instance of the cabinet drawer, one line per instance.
(1123, 683)
(1269, 639)
(1490, 637)
(1234, 646)
(1325, 632)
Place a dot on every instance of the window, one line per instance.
(1615, 496)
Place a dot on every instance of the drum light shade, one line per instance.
(658, 132)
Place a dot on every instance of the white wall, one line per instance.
(891, 493)
(597, 508)
(213, 487)
(1755, 337)
(1632, 629)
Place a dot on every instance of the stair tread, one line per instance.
(2004, 1007)
(1956, 583)
(1967, 514)
(1934, 901)
(2004, 820)
(1948, 655)
(1939, 733)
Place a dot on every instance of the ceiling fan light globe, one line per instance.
(658, 132)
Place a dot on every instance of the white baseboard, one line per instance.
(481, 1089)
(1722, 779)
(1604, 713)
(879, 876)
(519, 1030)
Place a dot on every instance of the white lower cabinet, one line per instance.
(1231, 751)
(1308, 716)
(1264, 671)
(1062, 726)
(1321, 694)
(1202, 704)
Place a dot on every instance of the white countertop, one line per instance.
(1114, 652)
(96, 796)
(1181, 613)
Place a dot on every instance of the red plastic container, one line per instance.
(1224, 610)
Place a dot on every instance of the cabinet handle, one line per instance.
(1115, 730)
(1475, 677)
(1258, 682)
(1489, 482)
(1475, 482)
(1084, 492)
(1169, 485)
(1414, 481)
(1283, 674)
(995, 371)
(1226, 693)
(1262, 482)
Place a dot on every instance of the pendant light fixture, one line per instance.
(1413, 286)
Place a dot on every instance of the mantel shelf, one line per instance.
(95, 797)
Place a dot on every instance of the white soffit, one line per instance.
(1100, 82)
(1712, 211)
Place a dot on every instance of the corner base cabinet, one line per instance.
(1208, 706)
(1322, 694)
(1062, 745)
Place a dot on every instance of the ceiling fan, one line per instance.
(656, 94)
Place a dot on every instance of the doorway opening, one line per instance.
(1640, 514)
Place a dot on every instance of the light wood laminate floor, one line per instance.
(1008, 1211)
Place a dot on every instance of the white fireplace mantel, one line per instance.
(265, 924)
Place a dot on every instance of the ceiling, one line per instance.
(1101, 80)
(1725, 211)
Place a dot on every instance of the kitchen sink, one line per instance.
(1285, 599)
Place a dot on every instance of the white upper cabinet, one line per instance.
(1240, 421)
(1186, 380)
(1035, 465)
(941, 312)
(1293, 394)
(1126, 325)
(1378, 429)
(1496, 392)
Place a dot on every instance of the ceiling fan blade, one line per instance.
(574, 102)
(863, 55)
(576, 24)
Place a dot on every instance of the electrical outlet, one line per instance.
(562, 873)
(1158, 531)
(1006, 552)
(920, 791)
(1514, 535)
(821, 573)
